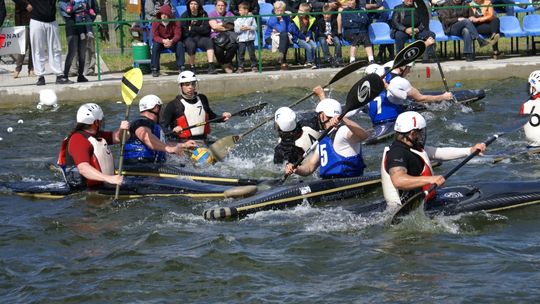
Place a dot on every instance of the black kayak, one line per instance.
(488, 197)
(385, 130)
(293, 195)
(168, 171)
(134, 187)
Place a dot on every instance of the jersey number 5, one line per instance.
(323, 155)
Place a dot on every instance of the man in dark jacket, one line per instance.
(402, 28)
(327, 34)
(455, 21)
(166, 35)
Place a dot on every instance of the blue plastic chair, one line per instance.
(209, 8)
(180, 9)
(527, 10)
(265, 9)
(440, 36)
(393, 3)
(531, 26)
(379, 33)
(511, 28)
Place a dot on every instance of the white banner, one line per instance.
(15, 42)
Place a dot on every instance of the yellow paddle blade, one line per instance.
(131, 84)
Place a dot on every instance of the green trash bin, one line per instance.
(141, 57)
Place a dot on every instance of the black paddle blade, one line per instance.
(347, 70)
(363, 91)
(251, 110)
(423, 12)
(411, 204)
(409, 54)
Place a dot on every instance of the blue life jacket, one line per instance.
(382, 110)
(136, 150)
(334, 165)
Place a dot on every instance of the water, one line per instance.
(161, 250)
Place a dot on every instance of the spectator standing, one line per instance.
(245, 28)
(486, 23)
(166, 35)
(151, 8)
(76, 40)
(402, 28)
(277, 33)
(22, 17)
(223, 35)
(3, 12)
(90, 51)
(305, 33)
(196, 34)
(355, 29)
(456, 22)
(234, 7)
(327, 34)
(44, 36)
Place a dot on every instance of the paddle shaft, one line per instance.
(121, 160)
(342, 73)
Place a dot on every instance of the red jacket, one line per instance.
(172, 31)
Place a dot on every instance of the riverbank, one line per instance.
(24, 91)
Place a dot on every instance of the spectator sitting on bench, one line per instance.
(166, 35)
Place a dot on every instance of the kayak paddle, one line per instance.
(131, 85)
(222, 146)
(416, 200)
(245, 112)
(369, 87)
(424, 14)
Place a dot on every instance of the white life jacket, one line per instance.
(194, 114)
(309, 136)
(391, 193)
(532, 128)
(103, 155)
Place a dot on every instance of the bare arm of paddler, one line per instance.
(356, 132)
(89, 172)
(453, 153)
(117, 134)
(305, 169)
(403, 181)
(149, 139)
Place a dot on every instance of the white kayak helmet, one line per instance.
(88, 113)
(187, 76)
(148, 102)
(285, 118)
(534, 82)
(408, 121)
(374, 68)
(48, 97)
(330, 107)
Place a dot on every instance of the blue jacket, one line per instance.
(285, 25)
(354, 23)
(382, 110)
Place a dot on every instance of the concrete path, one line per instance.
(24, 91)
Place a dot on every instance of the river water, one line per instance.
(159, 250)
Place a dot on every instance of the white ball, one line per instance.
(39, 106)
(10, 129)
(1, 139)
(20, 121)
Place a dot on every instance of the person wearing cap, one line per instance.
(166, 35)
(295, 137)
(187, 109)
(147, 141)
(406, 167)
(340, 153)
(84, 155)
